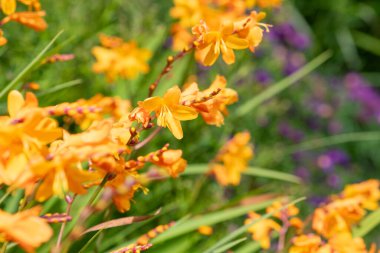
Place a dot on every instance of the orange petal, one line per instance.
(211, 56)
(8, 6)
(181, 112)
(152, 104)
(15, 102)
(175, 127)
(228, 56)
(172, 96)
(236, 43)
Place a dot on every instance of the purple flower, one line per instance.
(263, 77)
(363, 93)
(303, 173)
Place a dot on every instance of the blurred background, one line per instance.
(340, 98)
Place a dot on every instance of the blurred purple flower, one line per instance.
(289, 132)
(262, 76)
(362, 92)
(286, 33)
(303, 173)
(333, 180)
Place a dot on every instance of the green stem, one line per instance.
(6, 194)
(334, 140)
(29, 67)
(98, 190)
(90, 241)
(4, 247)
(282, 85)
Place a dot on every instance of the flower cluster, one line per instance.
(332, 222)
(117, 58)
(33, 17)
(218, 27)
(232, 159)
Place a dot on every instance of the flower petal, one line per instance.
(181, 112)
(15, 102)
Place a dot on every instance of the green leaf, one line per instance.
(367, 224)
(230, 245)
(13, 84)
(207, 220)
(334, 140)
(244, 228)
(282, 85)
(251, 171)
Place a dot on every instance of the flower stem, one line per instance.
(148, 139)
(62, 229)
(168, 67)
(98, 189)
(6, 194)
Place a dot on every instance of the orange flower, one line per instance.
(189, 12)
(210, 43)
(24, 136)
(123, 188)
(169, 111)
(289, 211)
(86, 111)
(367, 190)
(344, 243)
(124, 60)
(309, 244)
(30, 19)
(205, 230)
(182, 38)
(170, 160)
(250, 29)
(212, 102)
(337, 216)
(232, 159)
(261, 230)
(25, 228)
(140, 115)
(306, 244)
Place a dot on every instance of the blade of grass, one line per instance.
(230, 245)
(367, 42)
(249, 247)
(367, 224)
(28, 68)
(251, 171)
(244, 228)
(334, 140)
(282, 85)
(208, 219)
(59, 87)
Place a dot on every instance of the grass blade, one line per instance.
(59, 87)
(251, 171)
(282, 85)
(368, 224)
(249, 247)
(244, 228)
(334, 140)
(230, 245)
(367, 42)
(207, 220)
(28, 68)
